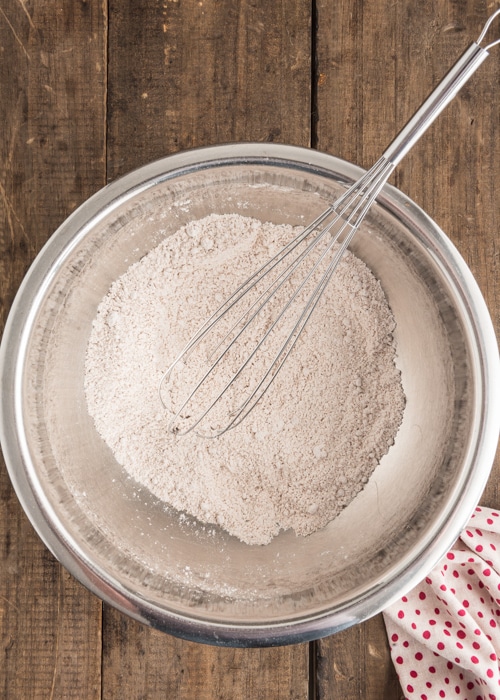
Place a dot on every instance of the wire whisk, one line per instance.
(229, 364)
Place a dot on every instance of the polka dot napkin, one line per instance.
(445, 633)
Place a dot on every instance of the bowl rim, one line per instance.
(52, 531)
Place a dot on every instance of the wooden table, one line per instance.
(92, 89)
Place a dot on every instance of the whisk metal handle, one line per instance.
(445, 91)
(435, 103)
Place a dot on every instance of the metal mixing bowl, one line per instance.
(139, 555)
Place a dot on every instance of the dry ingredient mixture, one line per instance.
(313, 442)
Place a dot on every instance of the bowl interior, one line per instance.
(139, 545)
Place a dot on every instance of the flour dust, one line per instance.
(310, 445)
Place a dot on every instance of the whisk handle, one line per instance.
(445, 91)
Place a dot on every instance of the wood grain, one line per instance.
(142, 663)
(90, 90)
(52, 85)
(356, 664)
(376, 62)
(189, 74)
(182, 75)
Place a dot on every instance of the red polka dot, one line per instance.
(477, 631)
(437, 611)
(489, 521)
(465, 603)
(494, 514)
(417, 612)
(440, 646)
(432, 669)
(470, 572)
(468, 533)
(422, 595)
(428, 684)
(474, 659)
(447, 633)
(432, 622)
(457, 690)
(479, 532)
(423, 696)
(493, 657)
(413, 674)
(493, 547)
(413, 626)
(461, 612)
(461, 634)
(419, 656)
(476, 645)
(404, 599)
(443, 587)
(470, 685)
(394, 637)
(399, 660)
(448, 623)
(479, 548)
(480, 614)
(401, 614)
(409, 688)
(487, 572)
(489, 673)
(493, 623)
(426, 634)
(442, 694)
(428, 580)
(406, 644)
(450, 555)
(460, 645)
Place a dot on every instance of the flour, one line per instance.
(313, 442)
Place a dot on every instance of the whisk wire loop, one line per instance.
(348, 211)
(484, 32)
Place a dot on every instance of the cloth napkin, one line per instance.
(445, 633)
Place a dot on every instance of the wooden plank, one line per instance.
(188, 74)
(181, 75)
(376, 62)
(356, 663)
(143, 663)
(51, 158)
(354, 69)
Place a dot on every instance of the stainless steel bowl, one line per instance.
(137, 554)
